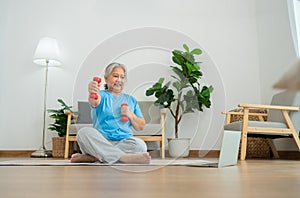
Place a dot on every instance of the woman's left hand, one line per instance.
(137, 123)
(125, 111)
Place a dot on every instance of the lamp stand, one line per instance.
(43, 152)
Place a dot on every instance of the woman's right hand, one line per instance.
(93, 88)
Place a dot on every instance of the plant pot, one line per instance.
(179, 147)
(58, 147)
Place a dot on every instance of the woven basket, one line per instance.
(256, 147)
(235, 118)
(58, 147)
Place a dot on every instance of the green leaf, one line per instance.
(211, 89)
(179, 72)
(189, 57)
(196, 51)
(177, 85)
(178, 57)
(196, 74)
(186, 47)
(53, 111)
(61, 102)
(193, 80)
(150, 92)
(155, 87)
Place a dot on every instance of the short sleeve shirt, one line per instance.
(107, 115)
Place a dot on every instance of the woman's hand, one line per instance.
(137, 123)
(93, 89)
(125, 111)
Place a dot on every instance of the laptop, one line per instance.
(228, 154)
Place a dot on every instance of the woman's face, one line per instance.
(116, 80)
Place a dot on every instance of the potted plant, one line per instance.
(60, 126)
(186, 94)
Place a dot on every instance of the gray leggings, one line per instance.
(92, 142)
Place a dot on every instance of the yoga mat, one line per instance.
(62, 162)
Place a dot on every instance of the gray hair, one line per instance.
(109, 68)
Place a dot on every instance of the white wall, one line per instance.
(276, 51)
(275, 44)
(227, 30)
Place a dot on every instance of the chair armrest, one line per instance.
(275, 107)
(69, 113)
(241, 113)
(229, 114)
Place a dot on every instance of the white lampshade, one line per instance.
(47, 51)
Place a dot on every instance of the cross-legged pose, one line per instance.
(114, 114)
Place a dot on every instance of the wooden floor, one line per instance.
(251, 178)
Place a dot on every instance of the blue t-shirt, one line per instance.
(107, 115)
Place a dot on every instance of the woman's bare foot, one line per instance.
(139, 158)
(79, 158)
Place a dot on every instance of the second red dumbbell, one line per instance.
(124, 118)
(94, 95)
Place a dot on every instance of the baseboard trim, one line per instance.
(16, 153)
(291, 155)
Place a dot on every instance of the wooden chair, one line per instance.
(153, 131)
(283, 121)
(253, 115)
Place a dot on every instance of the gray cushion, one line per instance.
(75, 127)
(237, 126)
(84, 113)
(150, 129)
(150, 112)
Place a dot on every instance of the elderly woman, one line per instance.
(111, 139)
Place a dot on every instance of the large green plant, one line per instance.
(60, 118)
(187, 94)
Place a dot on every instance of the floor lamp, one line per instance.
(46, 54)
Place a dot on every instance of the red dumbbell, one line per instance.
(97, 79)
(94, 95)
(124, 118)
